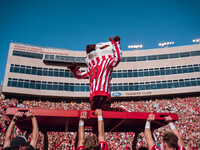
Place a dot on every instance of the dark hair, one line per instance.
(91, 142)
(142, 148)
(171, 139)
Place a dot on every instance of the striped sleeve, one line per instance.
(81, 75)
(117, 54)
(103, 146)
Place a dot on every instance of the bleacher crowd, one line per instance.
(188, 110)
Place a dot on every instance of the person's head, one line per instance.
(90, 48)
(142, 148)
(91, 142)
(170, 140)
(19, 143)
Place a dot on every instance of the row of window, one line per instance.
(83, 87)
(124, 59)
(116, 73)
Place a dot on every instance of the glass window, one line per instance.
(141, 73)
(71, 87)
(151, 73)
(191, 69)
(135, 74)
(9, 83)
(173, 71)
(114, 74)
(146, 73)
(162, 71)
(141, 58)
(34, 71)
(60, 87)
(131, 87)
(174, 55)
(26, 84)
(14, 83)
(44, 85)
(185, 54)
(164, 56)
(61, 73)
(16, 69)
(164, 85)
(50, 72)
(11, 68)
(193, 83)
(39, 71)
(119, 74)
(20, 83)
(50, 86)
(87, 87)
(198, 82)
(22, 69)
(176, 84)
(167, 71)
(136, 87)
(28, 70)
(130, 73)
(185, 70)
(32, 84)
(77, 87)
(157, 72)
(125, 74)
(159, 86)
(45, 71)
(142, 86)
(196, 69)
(147, 86)
(187, 83)
(195, 53)
(152, 57)
(131, 59)
(83, 88)
(120, 88)
(153, 86)
(70, 74)
(114, 87)
(55, 72)
(66, 87)
(66, 73)
(55, 85)
(38, 85)
(179, 70)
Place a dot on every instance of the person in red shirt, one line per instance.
(101, 59)
(171, 140)
(92, 142)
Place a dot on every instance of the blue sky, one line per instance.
(74, 24)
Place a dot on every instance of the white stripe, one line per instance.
(108, 81)
(99, 77)
(104, 75)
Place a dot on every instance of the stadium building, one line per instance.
(41, 72)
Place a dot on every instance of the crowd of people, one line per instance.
(188, 125)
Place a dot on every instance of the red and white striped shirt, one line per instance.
(100, 72)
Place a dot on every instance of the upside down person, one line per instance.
(101, 59)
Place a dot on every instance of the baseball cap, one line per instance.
(19, 140)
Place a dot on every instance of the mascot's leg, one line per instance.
(104, 103)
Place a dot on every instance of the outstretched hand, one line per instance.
(151, 118)
(168, 119)
(73, 66)
(115, 38)
(83, 115)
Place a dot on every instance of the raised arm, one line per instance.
(147, 132)
(117, 51)
(35, 130)
(7, 140)
(83, 117)
(169, 120)
(76, 73)
(101, 133)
